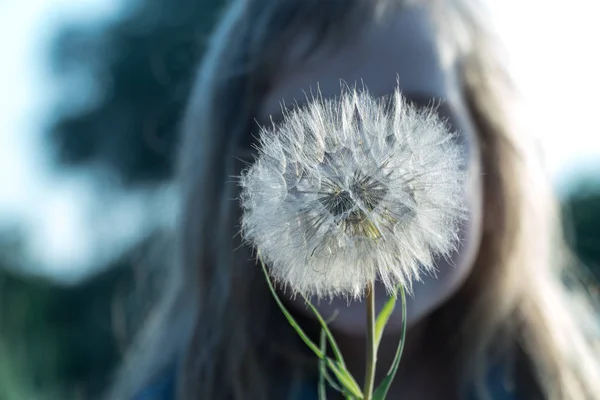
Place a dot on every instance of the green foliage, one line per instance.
(581, 211)
(30, 351)
(13, 385)
(143, 66)
(58, 340)
(65, 341)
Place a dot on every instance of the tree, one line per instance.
(64, 341)
(581, 211)
(143, 65)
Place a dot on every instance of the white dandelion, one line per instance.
(351, 189)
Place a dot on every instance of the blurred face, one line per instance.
(402, 50)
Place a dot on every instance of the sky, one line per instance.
(550, 52)
(553, 52)
(72, 225)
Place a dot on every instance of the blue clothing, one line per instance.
(164, 388)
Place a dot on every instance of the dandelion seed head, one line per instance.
(351, 189)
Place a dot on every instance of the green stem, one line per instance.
(371, 344)
(382, 390)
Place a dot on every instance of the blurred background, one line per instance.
(90, 95)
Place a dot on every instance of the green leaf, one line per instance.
(334, 384)
(338, 369)
(383, 318)
(345, 379)
(332, 342)
(289, 316)
(384, 387)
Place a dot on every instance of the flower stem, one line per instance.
(371, 344)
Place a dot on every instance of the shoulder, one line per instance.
(514, 381)
(498, 384)
(162, 388)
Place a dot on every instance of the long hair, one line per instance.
(214, 317)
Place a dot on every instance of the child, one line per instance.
(496, 320)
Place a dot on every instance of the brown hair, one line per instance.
(214, 314)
